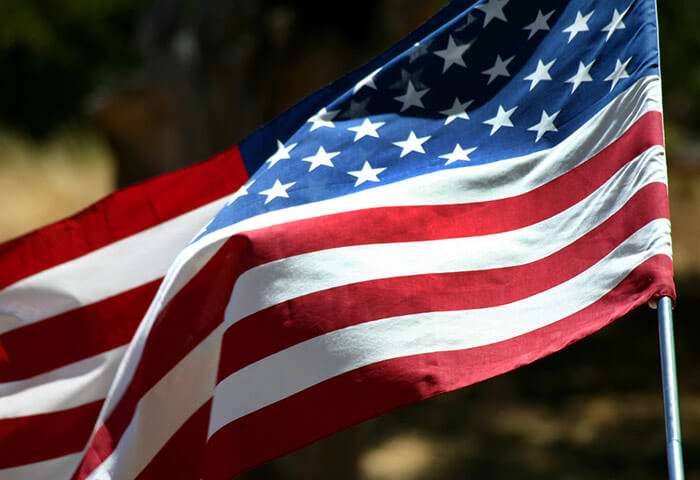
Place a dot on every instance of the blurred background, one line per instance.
(99, 95)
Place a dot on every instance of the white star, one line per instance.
(493, 9)
(619, 73)
(502, 119)
(367, 174)
(367, 129)
(322, 119)
(411, 97)
(277, 190)
(457, 110)
(458, 154)
(412, 144)
(541, 73)
(357, 109)
(615, 24)
(540, 23)
(581, 76)
(282, 153)
(241, 192)
(546, 124)
(499, 68)
(579, 25)
(320, 158)
(368, 81)
(452, 55)
(419, 49)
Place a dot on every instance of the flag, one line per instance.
(486, 192)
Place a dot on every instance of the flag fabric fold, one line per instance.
(486, 192)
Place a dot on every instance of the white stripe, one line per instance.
(102, 273)
(135, 348)
(281, 280)
(159, 414)
(66, 387)
(308, 363)
(60, 468)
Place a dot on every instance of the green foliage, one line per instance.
(54, 53)
(679, 32)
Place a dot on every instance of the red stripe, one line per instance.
(75, 335)
(370, 391)
(417, 223)
(181, 457)
(302, 318)
(185, 321)
(122, 214)
(35, 438)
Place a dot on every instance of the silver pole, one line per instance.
(670, 388)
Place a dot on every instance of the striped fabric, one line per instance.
(73, 294)
(174, 330)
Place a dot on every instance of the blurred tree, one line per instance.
(201, 74)
(53, 54)
(679, 31)
(214, 70)
(173, 81)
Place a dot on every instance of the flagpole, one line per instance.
(670, 388)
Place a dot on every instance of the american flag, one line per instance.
(486, 192)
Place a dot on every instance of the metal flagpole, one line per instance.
(670, 388)
(674, 453)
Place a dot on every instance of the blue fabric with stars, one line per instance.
(479, 82)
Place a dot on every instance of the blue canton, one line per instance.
(474, 85)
